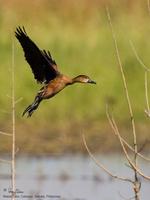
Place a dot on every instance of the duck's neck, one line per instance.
(69, 81)
(76, 79)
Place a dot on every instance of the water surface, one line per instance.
(70, 177)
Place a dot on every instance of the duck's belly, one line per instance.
(52, 90)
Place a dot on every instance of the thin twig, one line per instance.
(13, 127)
(139, 154)
(124, 81)
(143, 146)
(5, 161)
(138, 57)
(100, 165)
(133, 165)
(8, 96)
(123, 140)
(17, 150)
(4, 133)
(115, 129)
(117, 133)
(146, 91)
(147, 110)
(18, 100)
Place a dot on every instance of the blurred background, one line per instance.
(51, 158)
(78, 36)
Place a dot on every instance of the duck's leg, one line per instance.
(31, 108)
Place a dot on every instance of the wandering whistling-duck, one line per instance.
(45, 71)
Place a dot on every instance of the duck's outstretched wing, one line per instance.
(48, 56)
(43, 66)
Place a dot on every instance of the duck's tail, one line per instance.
(31, 108)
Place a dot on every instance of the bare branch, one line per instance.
(123, 140)
(134, 167)
(143, 146)
(100, 165)
(124, 80)
(146, 92)
(18, 100)
(8, 96)
(147, 110)
(17, 150)
(116, 131)
(138, 58)
(139, 154)
(5, 161)
(13, 164)
(4, 133)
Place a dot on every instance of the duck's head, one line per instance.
(83, 79)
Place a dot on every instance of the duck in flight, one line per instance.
(45, 71)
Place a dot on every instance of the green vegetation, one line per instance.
(79, 38)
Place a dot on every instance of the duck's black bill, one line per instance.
(92, 82)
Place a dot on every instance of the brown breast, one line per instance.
(55, 86)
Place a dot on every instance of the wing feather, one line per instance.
(41, 62)
(48, 56)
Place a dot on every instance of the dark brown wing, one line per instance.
(48, 56)
(41, 62)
